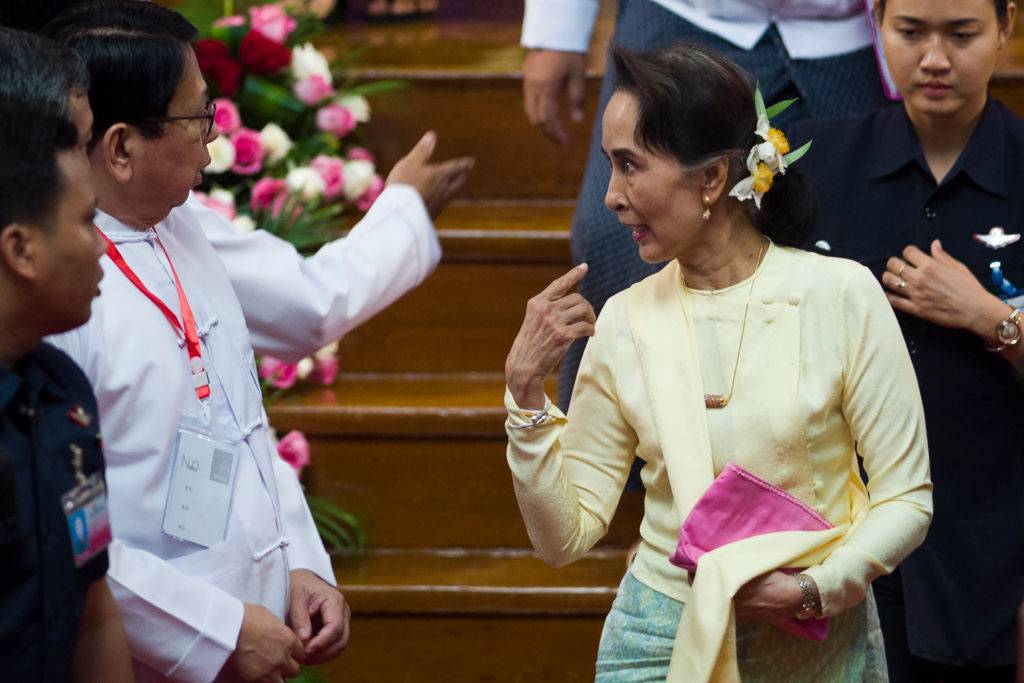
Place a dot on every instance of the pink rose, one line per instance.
(372, 192)
(360, 154)
(280, 374)
(232, 21)
(265, 191)
(272, 21)
(325, 369)
(330, 169)
(227, 118)
(218, 203)
(312, 90)
(269, 194)
(248, 151)
(336, 119)
(293, 448)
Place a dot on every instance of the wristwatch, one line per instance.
(809, 607)
(1008, 331)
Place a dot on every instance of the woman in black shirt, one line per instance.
(928, 194)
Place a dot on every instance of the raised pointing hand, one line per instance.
(554, 319)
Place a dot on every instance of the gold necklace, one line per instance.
(714, 401)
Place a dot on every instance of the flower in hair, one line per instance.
(768, 157)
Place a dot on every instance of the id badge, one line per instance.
(85, 508)
(202, 482)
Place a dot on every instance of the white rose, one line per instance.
(243, 224)
(306, 181)
(358, 105)
(223, 196)
(358, 175)
(222, 155)
(308, 61)
(304, 368)
(276, 143)
(327, 352)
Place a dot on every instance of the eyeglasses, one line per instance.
(208, 116)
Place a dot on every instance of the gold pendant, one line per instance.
(715, 401)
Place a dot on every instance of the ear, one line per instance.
(117, 149)
(21, 249)
(1006, 27)
(714, 179)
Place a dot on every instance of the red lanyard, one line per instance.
(186, 327)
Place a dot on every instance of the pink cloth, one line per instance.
(738, 505)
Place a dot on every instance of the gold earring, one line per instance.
(706, 215)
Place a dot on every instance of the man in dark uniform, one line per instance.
(58, 620)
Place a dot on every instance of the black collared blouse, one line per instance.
(963, 586)
(42, 594)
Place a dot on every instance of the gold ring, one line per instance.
(899, 273)
(902, 284)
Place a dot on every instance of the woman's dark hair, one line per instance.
(135, 52)
(694, 105)
(1000, 8)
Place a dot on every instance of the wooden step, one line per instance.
(497, 255)
(464, 80)
(496, 581)
(487, 231)
(422, 459)
(493, 616)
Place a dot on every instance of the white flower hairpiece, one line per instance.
(769, 157)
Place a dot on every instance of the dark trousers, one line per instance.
(834, 86)
(904, 667)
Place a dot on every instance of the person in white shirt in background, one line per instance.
(817, 50)
(244, 590)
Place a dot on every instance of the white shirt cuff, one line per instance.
(564, 25)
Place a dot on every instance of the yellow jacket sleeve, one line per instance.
(569, 472)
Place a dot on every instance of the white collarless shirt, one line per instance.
(810, 29)
(182, 603)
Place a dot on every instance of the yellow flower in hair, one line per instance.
(778, 140)
(766, 158)
(763, 178)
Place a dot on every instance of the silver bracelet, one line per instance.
(810, 605)
(536, 418)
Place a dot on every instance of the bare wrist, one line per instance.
(987, 317)
(527, 389)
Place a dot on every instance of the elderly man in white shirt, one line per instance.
(816, 50)
(219, 572)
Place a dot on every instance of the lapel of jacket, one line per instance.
(662, 334)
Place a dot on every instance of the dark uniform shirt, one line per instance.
(963, 586)
(42, 594)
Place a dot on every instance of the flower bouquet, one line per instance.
(286, 160)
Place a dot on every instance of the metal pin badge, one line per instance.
(996, 238)
(78, 415)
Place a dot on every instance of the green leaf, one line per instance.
(202, 14)
(779, 107)
(795, 155)
(308, 675)
(340, 539)
(261, 102)
(332, 541)
(375, 88)
(759, 102)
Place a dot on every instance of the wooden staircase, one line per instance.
(411, 436)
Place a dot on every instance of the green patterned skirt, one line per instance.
(640, 630)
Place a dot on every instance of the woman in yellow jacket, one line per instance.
(742, 350)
